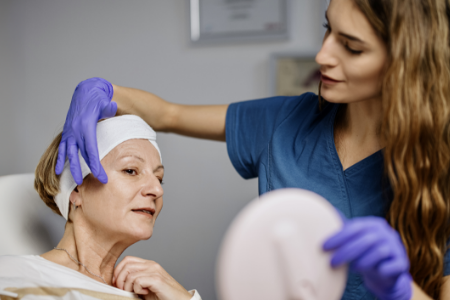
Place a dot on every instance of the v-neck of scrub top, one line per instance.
(345, 175)
(374, 157)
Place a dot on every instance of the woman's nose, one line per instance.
(152, 187)
(327, 54)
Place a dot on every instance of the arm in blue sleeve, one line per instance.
(249, 128)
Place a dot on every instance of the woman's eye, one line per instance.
(161, 181)
(326, 26)
(352, 51)
(130, 171)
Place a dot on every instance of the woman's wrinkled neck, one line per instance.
(97, 251)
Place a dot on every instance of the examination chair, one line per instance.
(27, 226)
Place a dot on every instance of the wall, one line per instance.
(7, 137)
(48, 46)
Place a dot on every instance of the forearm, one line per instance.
(445, 289)
(418, 294)
(154, 110)
(201, 121)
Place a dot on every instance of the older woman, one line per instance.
(102, 221)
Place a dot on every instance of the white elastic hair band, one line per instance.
(110, 133)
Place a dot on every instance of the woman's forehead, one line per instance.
(348, 18)
(346, 14)
(140, 149)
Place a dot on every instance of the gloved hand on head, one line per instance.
(373, 249)
(91, 102)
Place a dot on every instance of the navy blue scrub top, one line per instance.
(289, 142)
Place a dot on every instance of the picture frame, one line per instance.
(213, 21)
(293, 74)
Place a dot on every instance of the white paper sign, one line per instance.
(218, 19)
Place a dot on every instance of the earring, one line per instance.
(74, 207)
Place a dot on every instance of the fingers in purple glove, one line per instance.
(354, 248)
(72, 153)
(394, 267)
(371, 258)
(352, 229)
(91, 152)
(61, 160)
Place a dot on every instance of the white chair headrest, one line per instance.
(27, 225)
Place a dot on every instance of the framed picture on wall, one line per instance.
(294, 74)
(238, 20)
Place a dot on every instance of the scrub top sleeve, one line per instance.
(249, 127)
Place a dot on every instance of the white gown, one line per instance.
(33, 277)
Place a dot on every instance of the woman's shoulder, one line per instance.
(274, 110)
(13, 261)
(34, 271)
(304, 111)
(302, 107)
(20, 267)
(289, 102)
(306, 104)
(30, 266)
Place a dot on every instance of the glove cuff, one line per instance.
(402, 289)
(108, 88)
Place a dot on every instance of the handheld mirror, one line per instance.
(273, 250)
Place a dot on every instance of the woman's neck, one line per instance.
(96, 251)
(357, 131)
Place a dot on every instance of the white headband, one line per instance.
(110, 133)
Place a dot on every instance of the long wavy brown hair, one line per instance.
(416, 126)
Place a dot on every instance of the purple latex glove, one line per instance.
(374, 250)
(91, 102)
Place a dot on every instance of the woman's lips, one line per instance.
(148, 212)
(328, 80)
(143, 213)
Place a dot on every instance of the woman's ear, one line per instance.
(75, 197)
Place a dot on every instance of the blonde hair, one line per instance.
(46, 182)
(416, 126)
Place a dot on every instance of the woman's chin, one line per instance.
(139, 229)
(333, 95)
(332, 98)
(142, 235)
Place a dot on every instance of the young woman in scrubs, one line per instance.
(375, 143)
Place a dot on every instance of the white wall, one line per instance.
(48, 46)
